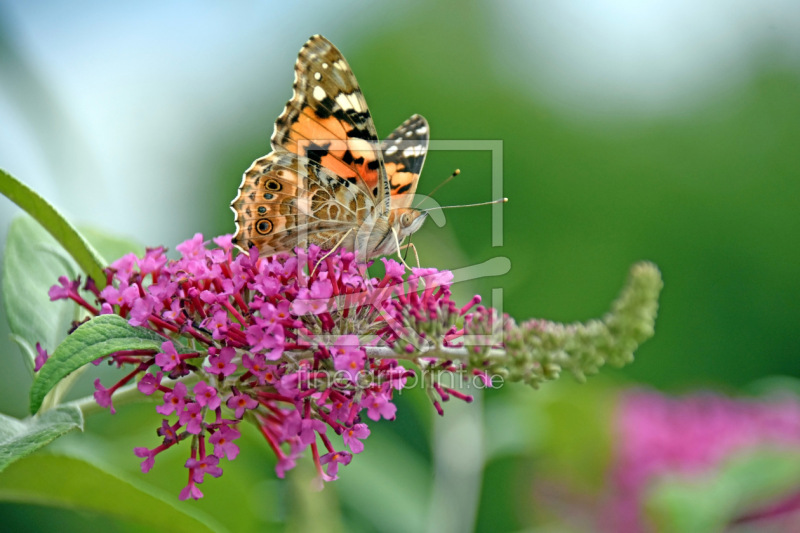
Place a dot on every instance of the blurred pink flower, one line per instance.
(658, 435)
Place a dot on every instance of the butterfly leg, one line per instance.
(399, 255)
(324, 257)
(414, 248)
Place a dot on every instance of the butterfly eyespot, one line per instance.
(262, 210)
(272, 185)
(268, 196)
(264, 226)
(279, 173)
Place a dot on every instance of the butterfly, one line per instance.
(329, 180)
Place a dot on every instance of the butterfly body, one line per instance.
(329, 181)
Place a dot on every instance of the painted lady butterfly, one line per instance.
(329, 181)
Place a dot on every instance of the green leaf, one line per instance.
(32, 263)
(87, 257)
(742, 485)
(74, 483)
(19, 438)
(96, 338)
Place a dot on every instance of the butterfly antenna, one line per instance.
(455, 173)
(499, 201)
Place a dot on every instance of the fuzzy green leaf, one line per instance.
(96, 338)
(32, 263)
(73, 242)
(19, 438)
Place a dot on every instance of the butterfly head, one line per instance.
(407, 221)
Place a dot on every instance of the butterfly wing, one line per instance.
(327, 121)
(404, 152)
(286, 200)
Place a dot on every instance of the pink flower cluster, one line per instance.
(295, 344)
(658, 435)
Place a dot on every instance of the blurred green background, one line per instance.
(666, 131)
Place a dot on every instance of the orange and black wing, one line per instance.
(327, 121)
(404, 154)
